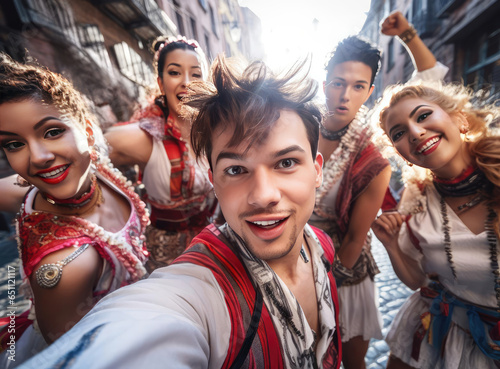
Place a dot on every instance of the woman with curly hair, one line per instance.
(80, 224)
(157, 140)
(444, 238)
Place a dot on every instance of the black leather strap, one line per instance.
(251, 332)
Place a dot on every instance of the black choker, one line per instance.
(469, 185)
(333, 135)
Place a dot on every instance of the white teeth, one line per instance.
(53, 173)
(266, 223)
(428, 144)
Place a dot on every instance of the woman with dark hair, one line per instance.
(80, 224)
(157, 140)
(443, 239)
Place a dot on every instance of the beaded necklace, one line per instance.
(73, 202)
(333, 135)
(468, 183)
(492, 242)
(78, 206)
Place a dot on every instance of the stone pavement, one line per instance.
(392, 294)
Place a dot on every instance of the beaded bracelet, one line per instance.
(408, 35)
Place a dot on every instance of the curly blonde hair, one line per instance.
(20, 82)
(483, 137)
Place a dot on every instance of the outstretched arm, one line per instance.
(386, 228)
(395, 25)
(365, 209)
(129, 145)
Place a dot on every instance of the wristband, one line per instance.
(408, 35)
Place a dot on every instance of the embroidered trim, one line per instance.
(132, 255)
(413, 201)
(340, 158)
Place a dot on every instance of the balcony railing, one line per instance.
(425, 22)
(49, 15)
(444, 7)
(142, 17)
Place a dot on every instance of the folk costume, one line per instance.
(453, 322)
(216, 306)
(40, 234)
(346, 174)
(179, 192)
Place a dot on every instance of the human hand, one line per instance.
(395, 24)
(386, 228)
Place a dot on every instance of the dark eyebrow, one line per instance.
(288, 150)
(179, 66)
(415, 110)
(277, 154)
(228, 155)
(343, 80)
(35, 127)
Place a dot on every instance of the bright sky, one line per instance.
(291, 29)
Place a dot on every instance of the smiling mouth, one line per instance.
(54, 173)
(429, 145)
(180, 97)
(267, 224)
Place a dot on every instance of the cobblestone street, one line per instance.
(392, 292)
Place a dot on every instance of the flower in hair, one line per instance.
(170, 40)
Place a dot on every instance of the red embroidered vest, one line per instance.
(211, 250)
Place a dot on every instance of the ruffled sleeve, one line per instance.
(436, 73)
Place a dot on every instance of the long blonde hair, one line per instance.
(483, 137)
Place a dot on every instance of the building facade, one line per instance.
(462, 34)
(104, 47)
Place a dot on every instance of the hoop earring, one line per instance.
(21, 182)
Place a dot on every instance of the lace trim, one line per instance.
(336, 165)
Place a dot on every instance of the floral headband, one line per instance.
(168, 41)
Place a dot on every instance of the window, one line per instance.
(416, 7)
(482, 59)
(207, 46)
(212, 20)
(194, 30)
(180, 23)
(203, 4)
(390, 55)
(54, 14)
(131, 64)
(92, 40)
(387, 9)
